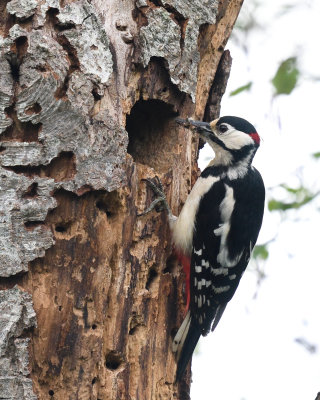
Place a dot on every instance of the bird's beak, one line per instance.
(203, 128)
(206, 129)
(200, 124)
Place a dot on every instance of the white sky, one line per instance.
(253, 355)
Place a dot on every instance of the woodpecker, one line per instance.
(217, 228)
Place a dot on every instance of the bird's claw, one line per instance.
(158, 190)
(156, 187)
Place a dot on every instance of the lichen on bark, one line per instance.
(16, 317)
(88, 95)
(180, 21)
(55, 99)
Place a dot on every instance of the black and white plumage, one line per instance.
(217, 228)
(224, 214)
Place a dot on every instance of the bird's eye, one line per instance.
(223, 128)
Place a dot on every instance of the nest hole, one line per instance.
(51, 392)
(151, 129)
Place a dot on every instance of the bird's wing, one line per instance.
(226, 232)
(247, 216)
(206, 245)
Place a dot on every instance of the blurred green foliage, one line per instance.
(284, 81)
(260, 252)
(286, 77)
(298, 196)
(241, 89)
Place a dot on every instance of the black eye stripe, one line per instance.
(215, 139)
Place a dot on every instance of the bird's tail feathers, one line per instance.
(218, 316)
(184, 343)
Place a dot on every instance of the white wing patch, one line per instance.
(226, 209)
(221, 289)
(205, 264)
(219, 271)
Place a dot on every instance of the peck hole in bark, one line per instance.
(34, 109)
(113, 360)
(62, 167)
(152, 275)
(20, 131)
(31, 192)
(133, 330)
(102, 206)
(63, 227)
(30, 225)
(109, 203)
(170, 264)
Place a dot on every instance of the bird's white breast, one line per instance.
(184, 226)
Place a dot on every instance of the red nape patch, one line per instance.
(255, 137)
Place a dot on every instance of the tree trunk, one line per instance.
(92, 294)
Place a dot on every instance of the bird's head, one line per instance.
(233, 139)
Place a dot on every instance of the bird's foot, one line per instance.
(160, 202)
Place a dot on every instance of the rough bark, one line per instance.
(91, 294)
